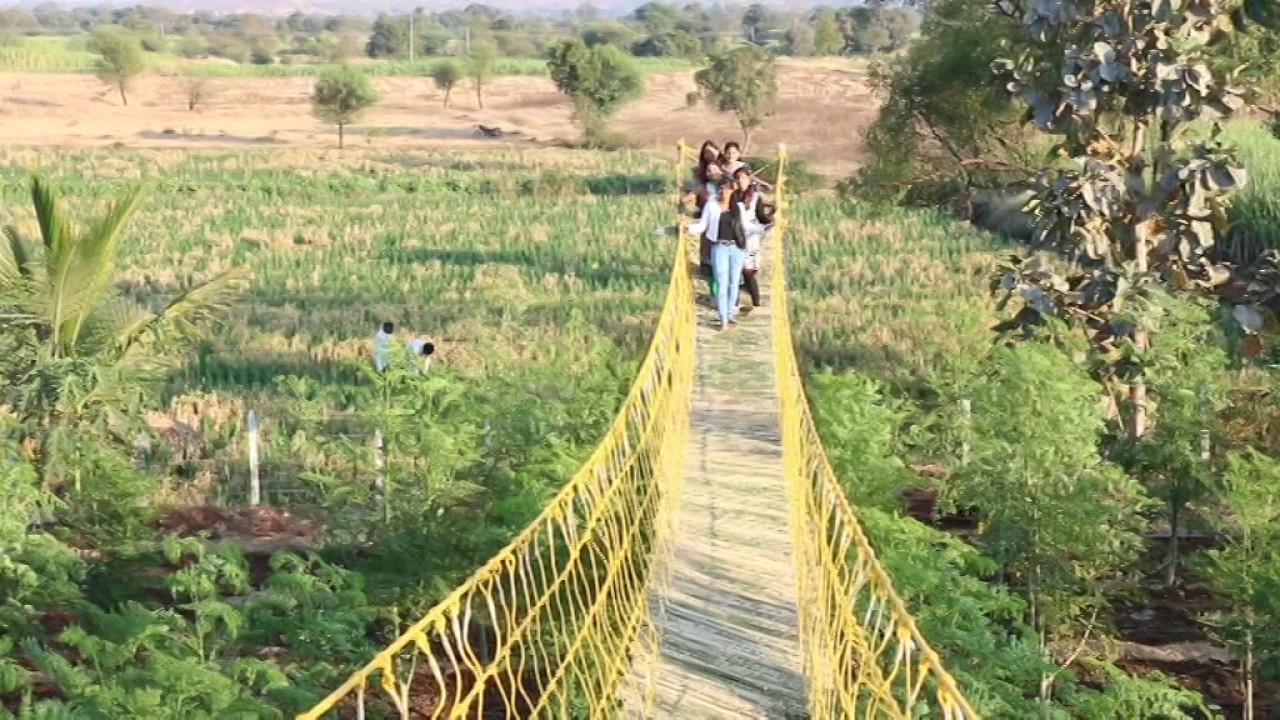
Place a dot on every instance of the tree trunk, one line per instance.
(123, 99)
(746, 138)
(479, 95)
(1175, 517)
(1138, 393)
(447, 92)
(340, 136)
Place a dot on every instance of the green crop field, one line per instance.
(512, 263)
(539, 277)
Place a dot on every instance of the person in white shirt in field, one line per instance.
(382, 342)
(424, 349)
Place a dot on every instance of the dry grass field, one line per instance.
(823, 106)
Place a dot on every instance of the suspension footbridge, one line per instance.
(703, 563)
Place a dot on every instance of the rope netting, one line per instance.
(863, 655)
(556, 624)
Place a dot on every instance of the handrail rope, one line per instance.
(879, 665)
(598, 547)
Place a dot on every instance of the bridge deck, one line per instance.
(728, 619)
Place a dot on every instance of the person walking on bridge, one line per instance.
(721, 224)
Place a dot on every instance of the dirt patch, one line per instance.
(258, 531)
(822, 111)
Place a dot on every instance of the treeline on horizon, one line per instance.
(654, 29)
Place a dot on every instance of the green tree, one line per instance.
(1245, 573)
(120, 60)
(84, 351)
(827, 39)
(1060, 521)
(599, 80)
(389, 38)
(341, 95)
(1141, 200)
(484, 55)
(447, 75)
(742, 81)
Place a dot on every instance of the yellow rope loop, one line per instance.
(863, 654)
(550, 625)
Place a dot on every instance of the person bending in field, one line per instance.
(721, 224)
(423, 349)
(382, 342)
(756, 221)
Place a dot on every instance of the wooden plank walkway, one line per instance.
(727, 620)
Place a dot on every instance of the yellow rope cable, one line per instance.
(863, 655)
(552, 625)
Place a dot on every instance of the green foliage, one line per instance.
(1187, 372)
(446, 76)
(827, 39)
(944, 580)
(856, 410)
(191, 659)
(1055, 515)
(1244, 572)
(389, 38)
(742, 81)
(945, 123)
(120, 60)
(341, 95)
(599, 80)
(83, 348)
(1142, 204)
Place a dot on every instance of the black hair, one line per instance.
(428, 348)
(733, 145)
(388, 327)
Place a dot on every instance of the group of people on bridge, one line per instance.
(733, 216)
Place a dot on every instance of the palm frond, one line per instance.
(186, 315)
(15, 264)
(96, 253)
(59, 254)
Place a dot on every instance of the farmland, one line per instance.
(536, 270)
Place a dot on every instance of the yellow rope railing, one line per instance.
(863, 655)
(553, 624)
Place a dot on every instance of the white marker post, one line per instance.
(255, 480)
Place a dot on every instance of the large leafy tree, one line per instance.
(599, 80)
(742, 81)
(1138, 199)
(78, 351)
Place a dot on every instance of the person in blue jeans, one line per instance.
(721, 225)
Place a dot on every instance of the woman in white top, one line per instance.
(754, 225)
(725, 225)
